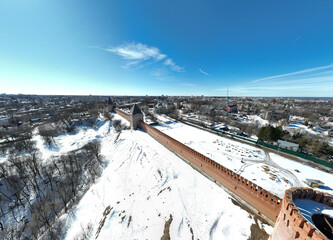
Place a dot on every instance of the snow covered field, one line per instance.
(146, 192)
(163, 118)
(270, 171)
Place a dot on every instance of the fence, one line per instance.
(297, 154)
(274, 147)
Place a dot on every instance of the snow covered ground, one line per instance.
(146, 191)
(163, 118)
(69, 142)
(268, 170)
(257, 120)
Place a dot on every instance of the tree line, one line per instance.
(34, 193)
(309, 144)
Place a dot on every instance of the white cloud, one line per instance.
(295, 73)
(169, 62)
(137, 53)
(316, 82)
(203, 72)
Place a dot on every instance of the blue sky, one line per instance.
(258, 48)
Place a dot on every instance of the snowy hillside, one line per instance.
(146, 192)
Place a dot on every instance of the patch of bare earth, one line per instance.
(101, 223)
(166, 232)
(257, 233)
(129, 221)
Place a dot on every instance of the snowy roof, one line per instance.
(307, 180)
(287, 144)
(135, 110)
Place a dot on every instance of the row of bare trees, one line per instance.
(19, 144)
(34, 194)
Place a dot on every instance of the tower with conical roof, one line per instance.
(110, 105)
(135, 117)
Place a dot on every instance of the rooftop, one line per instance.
(110, 101)
(135, 110)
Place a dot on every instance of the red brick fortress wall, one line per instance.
(291, 224)
(265, 202)
(123, 114)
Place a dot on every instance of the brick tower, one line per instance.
(304, 215)
(110, 105)
(135, 117)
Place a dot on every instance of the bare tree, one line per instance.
(117, 125)
(109, 116)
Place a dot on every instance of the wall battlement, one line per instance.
(265, 202)
(123, 114)
(288, 220)
(291, 224)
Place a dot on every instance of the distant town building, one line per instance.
(222, 127)
(282, 122)
(288, 145)
(35, 120)
(158, 107)
(163, 107)
(168, 105)
(276, 115)
(188, 105)
(314, 183)
(4, 121)
(318, 129)
(326, 119)
(177, 104)
(243, 107)
(232, 109)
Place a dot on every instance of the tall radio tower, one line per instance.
(228, 95)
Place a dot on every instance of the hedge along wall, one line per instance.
(265, 202)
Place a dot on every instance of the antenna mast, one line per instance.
(228, 95)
